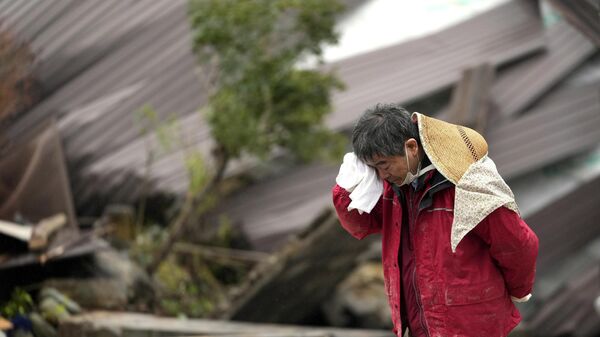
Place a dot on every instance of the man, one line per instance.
(455, 252)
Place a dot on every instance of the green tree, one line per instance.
(259, 100)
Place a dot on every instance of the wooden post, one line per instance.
(470, 100)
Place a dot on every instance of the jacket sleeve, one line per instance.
(514, 247)
(358, 225)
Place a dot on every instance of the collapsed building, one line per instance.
(528, 80)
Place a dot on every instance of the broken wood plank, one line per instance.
(470, 99)
(44, 230)
(292, 285)
(220, 253)
(143, 325)
(35, 235)
(15, 230)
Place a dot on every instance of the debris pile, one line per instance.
(20, 316)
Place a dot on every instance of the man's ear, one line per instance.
(412, 146)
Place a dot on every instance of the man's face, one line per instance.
(394, 168)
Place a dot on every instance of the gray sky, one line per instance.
(380, 23)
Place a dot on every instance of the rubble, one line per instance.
(360, 300)
(34, 228)
(41, 320)
(292, 285)
(116, 283)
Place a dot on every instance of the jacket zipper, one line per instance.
(415, 287)
(418, 296)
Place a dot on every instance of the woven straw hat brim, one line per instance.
(451, 148)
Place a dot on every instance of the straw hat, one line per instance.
(451, 148)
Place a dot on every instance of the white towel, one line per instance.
(361, 181)
(522, 299)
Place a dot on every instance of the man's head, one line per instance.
(387, 139)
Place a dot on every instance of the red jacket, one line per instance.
(466, 293)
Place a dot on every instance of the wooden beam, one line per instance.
(470, 100)
(15, 230)
(220, 253)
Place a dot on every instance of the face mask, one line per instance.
(410, 177)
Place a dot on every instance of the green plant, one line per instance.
(20, 303)
(259, 100)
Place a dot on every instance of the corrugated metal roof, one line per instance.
(522, 84)
(567, 272)
(583, 15)
(352, 90)
(131, 62)
(124, 54)
(566, 225)
(571, 312)
(120, 57)
(537, 189)
(268, 212)
(566, 123)
(102, 61)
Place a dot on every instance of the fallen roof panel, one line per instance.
(571, 311)
(269, 211)
(522, 84)
(582, 14)
(566, 123)
(566, 225)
